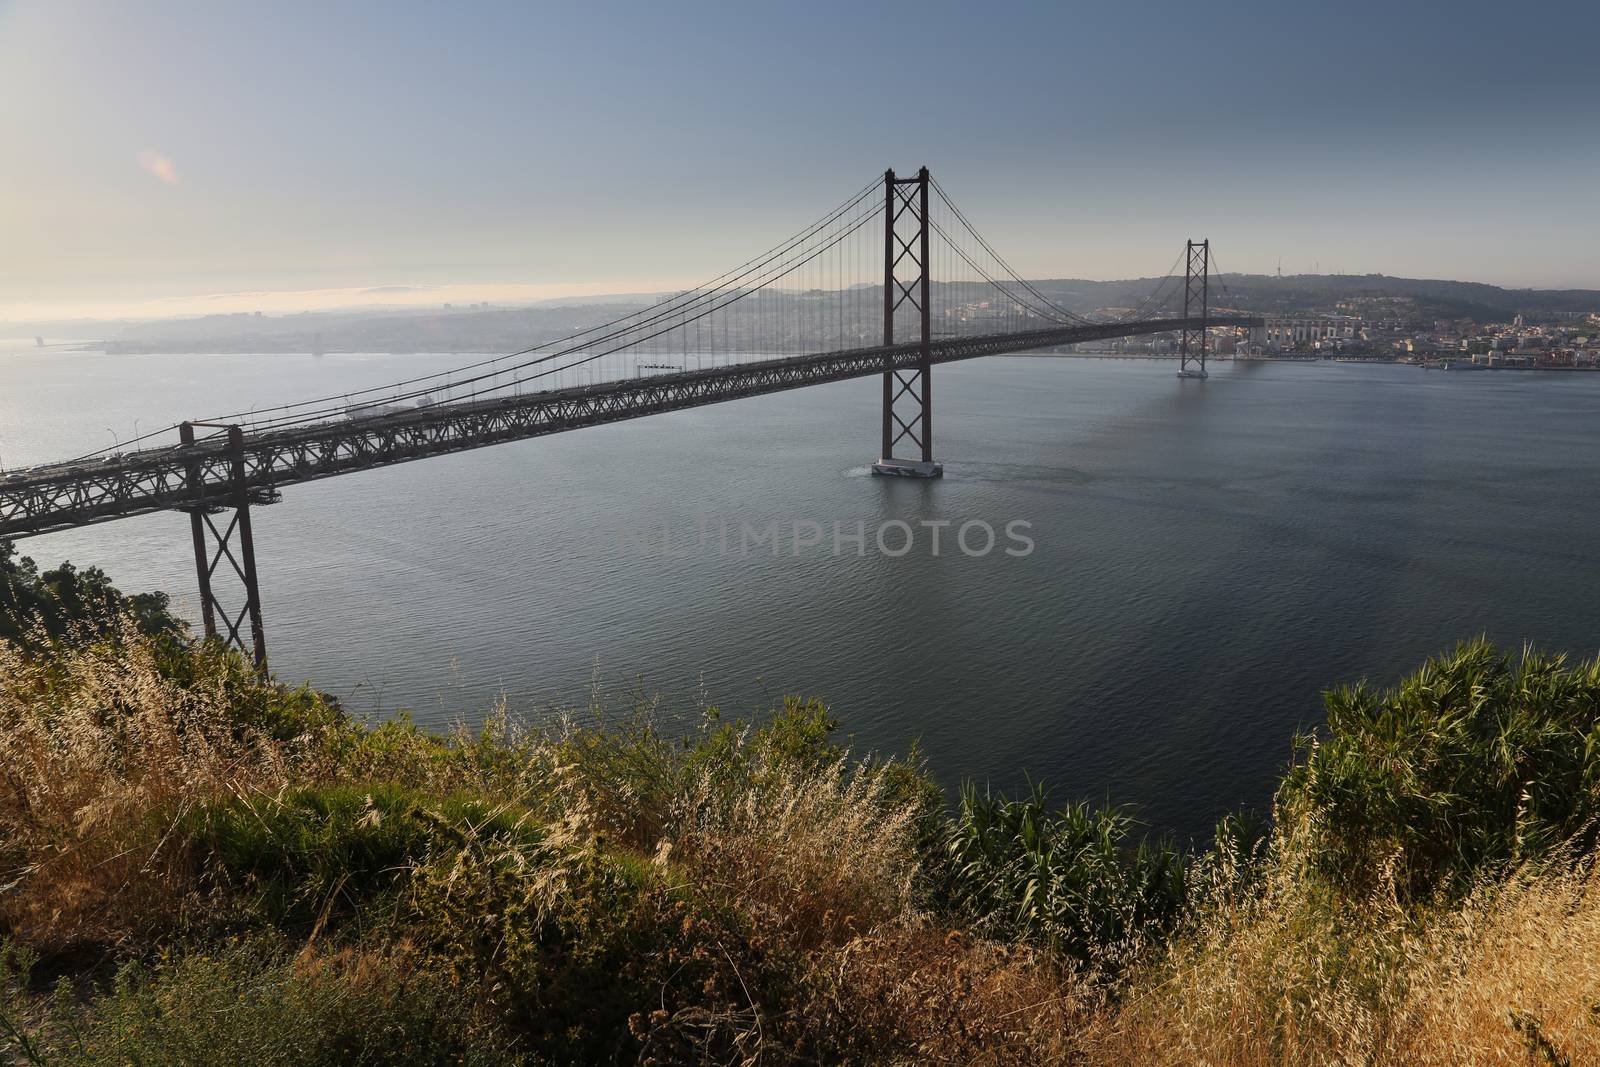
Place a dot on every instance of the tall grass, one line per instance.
(1509, 974)
(209, 868)
(102, 754)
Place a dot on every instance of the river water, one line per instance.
(1206, 557)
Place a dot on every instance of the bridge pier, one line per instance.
(235, 543)
(907, 392)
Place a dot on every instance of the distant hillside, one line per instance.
(1423, 298)
(480, 328)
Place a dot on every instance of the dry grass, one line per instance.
(92, 745)
(811, 857)
(1512, 975)
(1290, 976)
(808, 865)
(810, 846)
(819, 863)
(1275, 975)
(937, 996)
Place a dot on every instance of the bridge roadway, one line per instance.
(65, 495)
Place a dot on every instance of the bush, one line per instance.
(1474, 763)
(303, 852)
(256, 1002)
(565, 943)
(1070, 880)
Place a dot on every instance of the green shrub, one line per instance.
(280, 712)
(309, 850)
(1070, 880)
(1472, 763)
(567, 943)
(257, 1003)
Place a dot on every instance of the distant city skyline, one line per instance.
(175, 158)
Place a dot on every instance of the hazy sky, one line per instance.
(159, 150)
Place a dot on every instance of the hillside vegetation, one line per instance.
(200, 867)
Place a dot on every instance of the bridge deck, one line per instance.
(67, 495)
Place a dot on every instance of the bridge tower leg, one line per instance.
(907, 391)
(1196, 305)
(234, 543)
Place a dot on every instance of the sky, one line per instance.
(155, 156)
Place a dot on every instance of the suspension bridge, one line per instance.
(891, 282)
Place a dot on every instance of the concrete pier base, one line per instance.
(908, 468)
